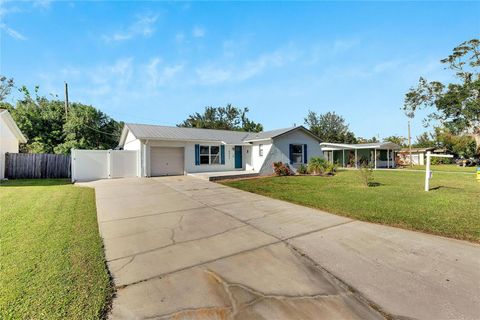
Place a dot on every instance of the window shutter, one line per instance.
(305, 157)
(222, 154)
(197, 154)
(291, 153)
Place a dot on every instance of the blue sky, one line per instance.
(158, 62)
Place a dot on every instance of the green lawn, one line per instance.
(445, 167)
(51, 259)
(451, 209)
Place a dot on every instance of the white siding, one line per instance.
(189, 156)
(131, 143)
(8, 143)
(280, 149)
(257, 161)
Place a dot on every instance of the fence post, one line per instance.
(109, 164)
(72, 164)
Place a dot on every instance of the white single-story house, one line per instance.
(10, 138)
(167, 150)
(379, 155)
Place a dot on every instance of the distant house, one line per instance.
(10, 138)
(175, 151)
(378, 155)
(418, 155)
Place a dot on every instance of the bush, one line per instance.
(302, 169)
(282, 169)
(331, 168)
(435, 160)
(317, 165)
(366, 174)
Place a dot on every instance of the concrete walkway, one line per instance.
(180, 247)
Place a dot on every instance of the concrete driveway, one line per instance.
(185, 248)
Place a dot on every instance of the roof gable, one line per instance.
(12, 126)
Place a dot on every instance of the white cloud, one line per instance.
(343, 45)
(143, 26)
(12, 33)
(45, 4)
(179, 37)
(159, 76)
(198, 32)
(218, 73)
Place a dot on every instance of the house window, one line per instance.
(260, 150)
(214, 155)
(204, 155)
(209, 155)
(297, 153)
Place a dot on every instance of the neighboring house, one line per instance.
(175, 150)
(379, 155)
(418, 155)
(10, 138)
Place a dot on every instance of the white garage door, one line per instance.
(166, 161)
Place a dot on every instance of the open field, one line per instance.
(52, 262)
(451, 208)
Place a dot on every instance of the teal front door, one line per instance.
(238, 157)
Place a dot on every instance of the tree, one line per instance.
(401, 141)
(48, 130)
(6, 86)
(460, 145)
(366, 140)
(457, 105)
(425, 140)
(329, 127)
(226, 118)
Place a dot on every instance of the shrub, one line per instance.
(366, 174)
(282, 169)
(317, 165)
(435, 160)
(302, 169)
(331, 168)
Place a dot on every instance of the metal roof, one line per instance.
(146, 131)
(376, 145)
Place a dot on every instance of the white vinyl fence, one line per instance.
(104, 164)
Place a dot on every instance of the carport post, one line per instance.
(375, 155)
(343, 158)
(356, 162)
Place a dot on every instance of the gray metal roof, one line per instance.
(267, 134)
(146, 131)
(377, 145)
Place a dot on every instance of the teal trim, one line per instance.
(197, 154)
(238, 157)
(222, 154)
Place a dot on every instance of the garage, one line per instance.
(166, 161)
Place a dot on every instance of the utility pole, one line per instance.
(410, 145)
(66, 99)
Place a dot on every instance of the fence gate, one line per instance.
(103, 164)
(36, 166)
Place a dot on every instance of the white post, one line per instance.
(375, 155)
(343, 158)
(388, 159)
(72, 165)
(427, 172)
(356, 162)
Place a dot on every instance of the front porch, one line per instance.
(378, 155)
